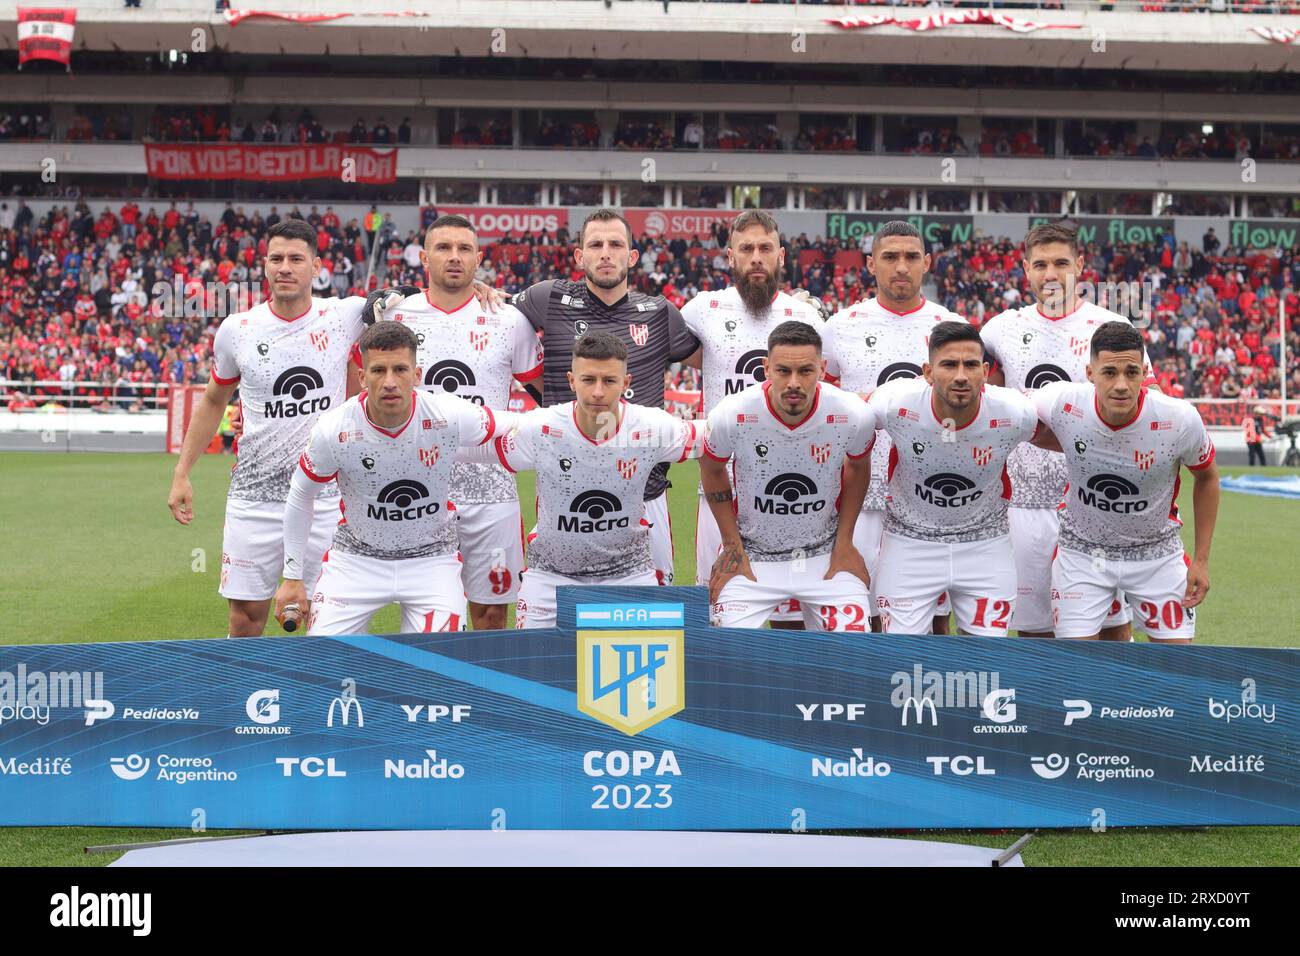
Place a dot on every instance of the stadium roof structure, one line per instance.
(1079, 37)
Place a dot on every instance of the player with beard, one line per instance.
(288, 357)
(1031, 347)
(474, 352)
(879, 340)
(733, 325)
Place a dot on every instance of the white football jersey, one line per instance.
(1034, 350)
(1122, 499)
(735, 340)
(473, 353)
(787, 477)
(949, 484)
(395, 483)
(867, 345)
(590, 495)
(290, 371)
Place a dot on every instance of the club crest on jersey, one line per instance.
(429, 456)
(580, 327)
(918, 447)
(730, 324)
(1080, 446)
(565, 464)
(1027, 338)
(761, 450)
(367, 462)
(1078, 346)
(419, 339)
(479, 340)
(321, 340)
(982, 456)
(871, 341)
(1144, 459)
(626, 468)
(263, 349)
(640, 333)
(821, 453)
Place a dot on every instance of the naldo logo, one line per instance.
(999, 706)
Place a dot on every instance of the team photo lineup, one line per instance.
(889, 469)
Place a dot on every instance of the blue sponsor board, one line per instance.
(637, 721)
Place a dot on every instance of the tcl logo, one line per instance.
(961, 766)
(310, 767)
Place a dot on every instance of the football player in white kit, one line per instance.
(798, 447)
(881, 340)
(947, 489)
(593, 457)
(288, 357)
(470, 351)
(732, 325)
(1030, 347)
(1124, 447)
(392, 450)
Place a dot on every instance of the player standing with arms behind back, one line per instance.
(473, 352)
(1124, 446)
(288, 357)
(879, 340)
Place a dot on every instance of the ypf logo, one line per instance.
(1045, 374)
(784, 495)
(896, 371)
(629, 680)
(293, 386)
(749, 369)
(450, 376)
(588, 511)
(402, 500)
(947, 490)
(1112, 493)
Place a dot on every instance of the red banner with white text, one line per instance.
(357, 164)
(45, 34)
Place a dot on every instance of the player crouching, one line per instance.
(799, 453)
(391, 449)
(1124, 448)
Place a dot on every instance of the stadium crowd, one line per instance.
(75, 284)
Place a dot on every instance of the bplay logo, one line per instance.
(1227, 711)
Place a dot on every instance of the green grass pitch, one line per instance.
(91, 553)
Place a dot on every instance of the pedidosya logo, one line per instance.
(1045, 374)
(631, 680)
(749, 369)
(452, 376)
(783, 496)
(294, 385)
(1112, 493)
(947, 490)
(897, 371)
(587, 513)
(402, 500)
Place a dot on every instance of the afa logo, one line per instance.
(1045, 374)
(631, 680)
(749, 369)
(293, 386)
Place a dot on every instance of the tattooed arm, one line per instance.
(717, 492)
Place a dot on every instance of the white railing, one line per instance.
(54, 395)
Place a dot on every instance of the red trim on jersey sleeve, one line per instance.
(302, 463)
(831, 380)
(223, 381)
(710, 453)
(1205, 464)
(1173, 502)
(865, 453)
(1006, 483)
(686, 451)
(893, 463)
(492, 425)
(531, 374)
(355, 356)
(501, 455)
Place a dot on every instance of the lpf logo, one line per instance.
(479, 340)
(982, 456)
(1144, 459)
(321, 340)
(640, 333)
(429, 456)
(631, 680)
(626, 468)
(821, 453)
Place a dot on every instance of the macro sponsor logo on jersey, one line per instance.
(749, 369)
(631, 680)
(785, 495)
(31, 695)
(947, 490)
(402, 500)
(1045, 374)
(1112, 493)
(294, 385)
(857, 765)
(454, 378)
(263, 709)
(999, 707)
(919, 691)
(588, 511)
(171, 768)
(1097, 768)
(896, 371)
(430, 767)
(1081, 709)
